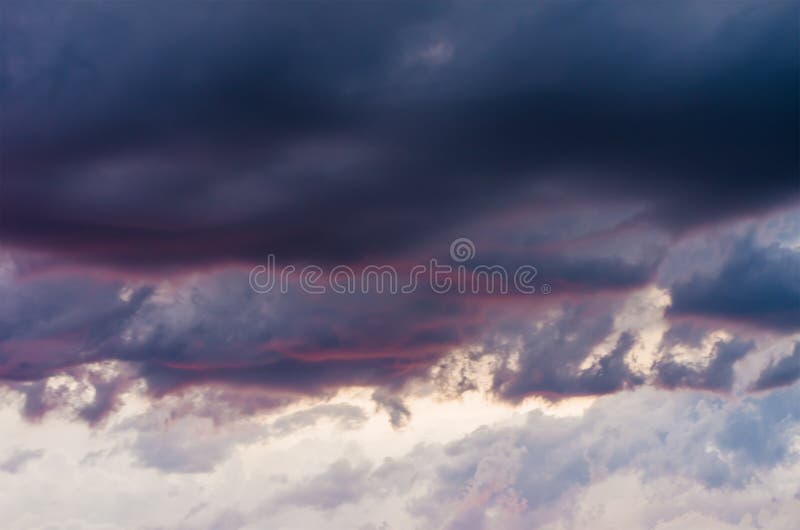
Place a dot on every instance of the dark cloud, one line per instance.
(574, 271)
(34, 405)
(716, 375)
(251, 352)
(755, 285)
(168, 138)
(215, 331)
(51, 324)
(107, 389)
(40, 396)
(685, 333)
(152, 153)
(146, 136)
(550, 356)
(782, 372)
(254, 352)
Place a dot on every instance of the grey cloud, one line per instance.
(717, 375)
(34, 405)
(783, 372)
(175, 439)
(228, 520)
(17, 460)
(117, 108)
(548, 361)
(624, 432)
(755, 285)
(342, 483)
(399, 415)
(526, 475)
(346, 417)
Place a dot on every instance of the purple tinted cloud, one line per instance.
(137, 138)
(152, 155)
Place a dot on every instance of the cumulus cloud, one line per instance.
(547, 472)
(546, 359)
(260, 351)
(253, 352)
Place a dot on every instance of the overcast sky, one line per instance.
(639, 162)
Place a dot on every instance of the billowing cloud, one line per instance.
(520, 476)
(547, 359)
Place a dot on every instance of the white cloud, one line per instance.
(640, 460)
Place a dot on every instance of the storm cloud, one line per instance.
(150, 136)
(638, 162)
(755, 285)
(782, 372)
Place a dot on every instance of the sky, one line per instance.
(400, 266)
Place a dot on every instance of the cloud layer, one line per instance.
(173, 135)
(640, 162)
